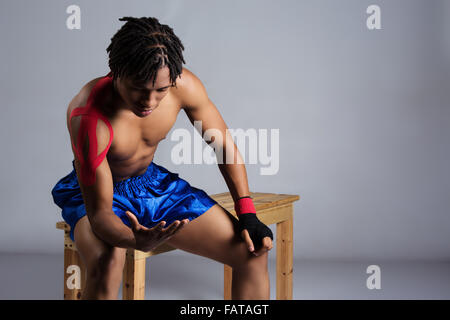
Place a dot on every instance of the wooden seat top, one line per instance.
(261, 201)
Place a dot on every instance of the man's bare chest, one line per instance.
(135, 138)
(138, 136)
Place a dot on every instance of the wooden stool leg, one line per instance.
(227, 276)
(74, 274)
(133, 277)
(285, 258)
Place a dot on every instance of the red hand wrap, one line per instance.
(244, 205)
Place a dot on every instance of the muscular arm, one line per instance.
(198, 107)
(95, 178)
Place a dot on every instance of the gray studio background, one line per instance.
(363, 118)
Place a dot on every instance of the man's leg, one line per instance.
(214, 235)
(104, 263)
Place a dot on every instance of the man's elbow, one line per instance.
(99, 219)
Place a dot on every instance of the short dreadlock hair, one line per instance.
(141, 47)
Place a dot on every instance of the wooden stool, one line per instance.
(270, 207)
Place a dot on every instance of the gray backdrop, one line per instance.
(363, 114)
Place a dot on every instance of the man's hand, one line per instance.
(254, 231)
(149, 238)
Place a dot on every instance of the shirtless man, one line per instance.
(117, 207)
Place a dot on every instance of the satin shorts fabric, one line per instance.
(156, 195)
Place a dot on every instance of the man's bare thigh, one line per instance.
(214, 235)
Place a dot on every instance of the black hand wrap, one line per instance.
(256, 229)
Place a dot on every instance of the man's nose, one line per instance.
(150, 101)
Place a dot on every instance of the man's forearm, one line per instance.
(110, 228)
(235, 175)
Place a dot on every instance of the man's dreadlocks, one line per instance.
(141, 47)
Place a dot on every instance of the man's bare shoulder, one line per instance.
(80, 100)
(188, 86)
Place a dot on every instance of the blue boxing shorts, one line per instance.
(156, 195)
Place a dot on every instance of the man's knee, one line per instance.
(99, 257)
(105, 263)
(242, 258)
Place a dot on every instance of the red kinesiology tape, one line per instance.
(244, 205)
(88, 129)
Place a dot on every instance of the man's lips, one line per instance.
(144, 109)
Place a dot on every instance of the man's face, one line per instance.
(139, 96)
